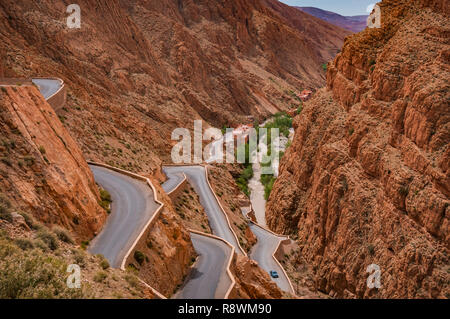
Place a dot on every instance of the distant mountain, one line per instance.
(354, 23)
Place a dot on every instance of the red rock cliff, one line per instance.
(366, 180)
(42, 169)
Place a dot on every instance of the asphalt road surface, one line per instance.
(47, 87)
(262, 253)
(133, 205)
(172, 181)
(208, 279)
(217, 220)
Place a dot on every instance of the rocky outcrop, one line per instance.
(43, 170)
(251, 281)
(167, 254)
(366, 180)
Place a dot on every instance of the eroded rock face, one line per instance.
(251, 281)
(42, 169)
(366, 180)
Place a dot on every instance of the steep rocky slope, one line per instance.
(366, 180)
(44, 173)
(34, 261)
(252, 282)
(138, 69)
(42, 168)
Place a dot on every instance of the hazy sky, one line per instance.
(343, 7)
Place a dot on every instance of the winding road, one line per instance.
(267, 243)
(208, 279)
(262, 253)
(133, 205)
(173, 180)
(217, 220)
(47, 87)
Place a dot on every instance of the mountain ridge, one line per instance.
(354, 24)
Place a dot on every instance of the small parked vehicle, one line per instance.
(273, 274)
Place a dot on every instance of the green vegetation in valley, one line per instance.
(247, 173)
(283, 122)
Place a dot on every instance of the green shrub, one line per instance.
(30, 274)
(244, 178)
(42, 150)
(5, 209)
(63, 235)
(30, 221)
(105, 201)
(268, 181)
(84, 244)
(282, 121)
(24, 243)
(139, 257)
(104, 195)
(79, 257)
(29, 160)
(103, 262)
(48, 238)
(100, 276)
(132, 280)
(41, 245)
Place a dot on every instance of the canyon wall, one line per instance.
(43, 170)
(366, 180)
